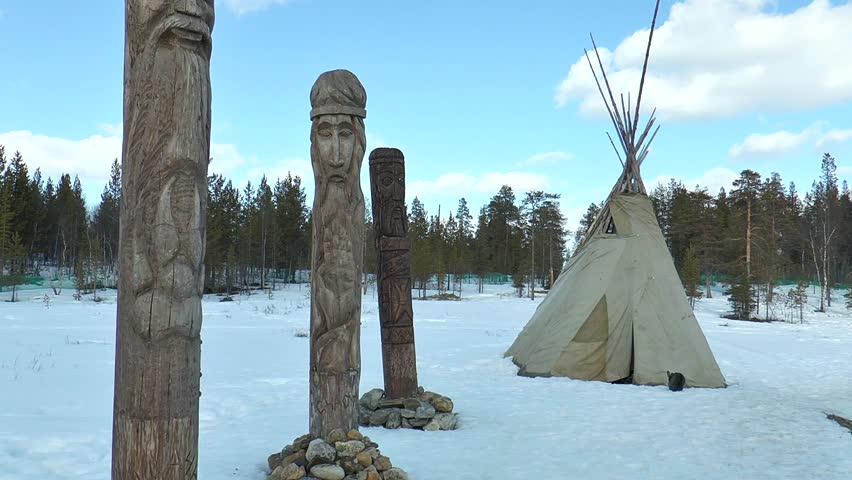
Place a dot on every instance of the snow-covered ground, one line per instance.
(56, 374)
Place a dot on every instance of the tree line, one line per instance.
(47, 223)
(523, 241)
(760, 234)
(259, 236)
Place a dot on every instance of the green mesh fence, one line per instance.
(7, 281)
(718, 278)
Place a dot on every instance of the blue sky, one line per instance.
(475, 93)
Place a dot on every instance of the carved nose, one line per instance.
(335, 153)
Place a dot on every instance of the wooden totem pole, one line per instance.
(165, 153)
(338, 141)
(387, 185)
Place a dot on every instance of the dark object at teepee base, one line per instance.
(676, 381)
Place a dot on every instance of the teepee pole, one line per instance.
(645, 67)
(648, 126)
(614, 148)
(625, 114)
(620, 125)
(626, 118)
(612, 115)
(644, 152)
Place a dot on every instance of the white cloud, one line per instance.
(717, 58)
(834, 136)
(89, 158)
(547, 158)
(764, 144)
(226, 159)
(521, 182)
(784, 141)
(573, 214)
(112, 129)
(375, 142)
(712, 180)
(241, 7)
(451, 183)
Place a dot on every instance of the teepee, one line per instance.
(618, 311)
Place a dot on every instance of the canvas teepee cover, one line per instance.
(618, 310)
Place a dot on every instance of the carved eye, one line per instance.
(345, 133)
(387, 181)
(324, 133)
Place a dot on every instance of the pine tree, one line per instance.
(436, 243)
(16, 264)
(770, 225)
(418, 230)
(19, 189)
(216, 248)
(537, 210)
(248, 237)
(38, 207)
(821, 206)
(481, 241)
(265, 208)
(504, 218)
(691, 276)
(464, 241)
(451, 252)
(586, 223)
(106, 216)
(742, 295)
(797, 298)
(5, 232)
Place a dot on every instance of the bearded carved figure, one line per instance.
(387, 180)
(338, 141)
(165, 152)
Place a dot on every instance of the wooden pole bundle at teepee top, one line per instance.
(625, 120)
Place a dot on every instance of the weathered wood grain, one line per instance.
(396, 315)
(165, 151)
(338, 142)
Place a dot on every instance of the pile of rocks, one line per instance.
(427, 411)
(340, 456)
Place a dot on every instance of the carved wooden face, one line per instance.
(166, 149)
(335, 138)
(187, 23)
(389, 178)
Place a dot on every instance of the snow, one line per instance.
(56, 374)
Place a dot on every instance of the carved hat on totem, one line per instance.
(386, 155)
(338, 92)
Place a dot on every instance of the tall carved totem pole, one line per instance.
(338, 141)
(387, 181)
(165, 153)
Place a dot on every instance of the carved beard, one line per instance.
(166, 159)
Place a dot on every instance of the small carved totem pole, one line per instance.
(387, 181)
(338, 141)
(165, 153)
